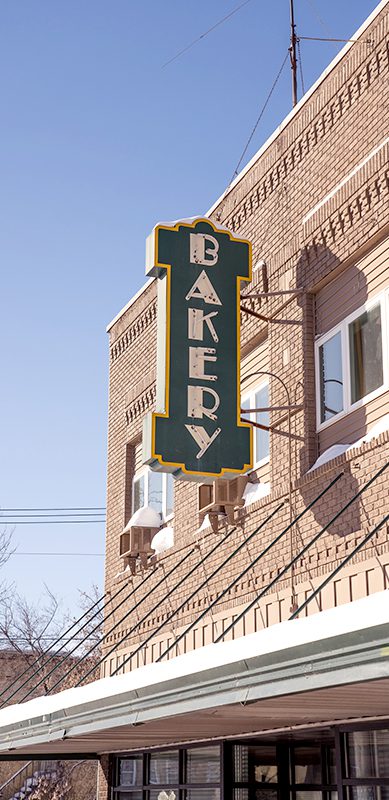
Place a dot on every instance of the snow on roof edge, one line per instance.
(351, 617)
(129, 304)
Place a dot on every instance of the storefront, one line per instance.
(299, 711)
(349, 762)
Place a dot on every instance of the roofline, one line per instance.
(130, 303)
(300, 103)
(272, 137)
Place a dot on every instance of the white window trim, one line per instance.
(343, 328)
(144, 472)
(248, 396)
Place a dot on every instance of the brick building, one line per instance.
(244, 701)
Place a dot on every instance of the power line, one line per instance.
(260, 117)
(23, 553)
(20, 640)
(66, 508)
(52, 522)
(47, 516)
(216, 25)
(316, 12)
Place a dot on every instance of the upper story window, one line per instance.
(258, 397)
(351, 361)
(153, 489)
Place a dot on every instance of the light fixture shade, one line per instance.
(206, 523)
(163, 540)
(145, 517)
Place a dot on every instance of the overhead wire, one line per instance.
(263, 109)
(48, 516)
(203, 35)
(65, 508)
(52, 522)
(39, 553)
(318, 17)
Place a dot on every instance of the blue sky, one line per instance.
(98, 143)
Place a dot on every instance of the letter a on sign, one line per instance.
(196, 431)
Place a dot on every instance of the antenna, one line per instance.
(292, 53)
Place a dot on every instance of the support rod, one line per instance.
(250, 566)
(151, 611)
(340, 566)
(301, 553)
(187, 600)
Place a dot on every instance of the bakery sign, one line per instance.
(196, 431)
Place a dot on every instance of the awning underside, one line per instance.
(361, 700)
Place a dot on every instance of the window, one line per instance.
(183, 774)
(153, 489)
(351, 362)
(258, 398)
(366, 764)
(296, 771)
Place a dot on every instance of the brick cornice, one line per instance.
(137, 328)
(140, 405)
(323, 112)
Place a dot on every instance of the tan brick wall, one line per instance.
(103, 792)
(273, 204)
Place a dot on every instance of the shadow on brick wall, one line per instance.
(315, 263)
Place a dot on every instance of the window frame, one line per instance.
(343, 327)
(180, 786)
(144, 472)
(250, 395)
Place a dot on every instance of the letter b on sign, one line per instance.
(200, 253)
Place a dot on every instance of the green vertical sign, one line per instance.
(196, 431)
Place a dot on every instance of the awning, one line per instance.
(328, 667)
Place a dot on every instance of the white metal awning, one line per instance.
(311, 671)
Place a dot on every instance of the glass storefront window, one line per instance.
(203, 765)
(255, 762)
(201, 794)
(129, 795)
(164, 768)
(368, 793)
(309, 795)
(367, 754)
(131, 771)
(241, 794)
(307, 764)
